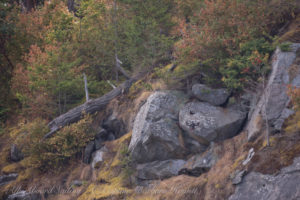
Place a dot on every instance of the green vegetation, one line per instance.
(230, 41)
(45, 51)
(58, 150)
(249, 65)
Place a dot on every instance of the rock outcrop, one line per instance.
(274, 99)
(210, 122)
(89, 149)
(199, 163)
(156, 135)
(100, 137)
(7, 178)
(282, 186)
(15, 153)
(159, 169)
(215, 97)
(114, 126)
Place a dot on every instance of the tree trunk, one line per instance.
(91, 106)
(86, 88)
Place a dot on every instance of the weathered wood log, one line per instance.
(91, 106)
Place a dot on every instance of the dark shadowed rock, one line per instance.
(213, 96)
(15, 153)
(156, 135)
(7, 178)
(100, 137)
(88, 152)
(159, 169)
(101, 134)
(199, 164)
(111, 137)
(114, 126)
(23, 195)
(282, 186)
(98, 144)
(210, 122)
(193, 145)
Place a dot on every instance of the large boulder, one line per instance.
(159, 169)
(274, 99)
(23, 195)
(215, 97)
(156, 135)
(209, 122)
(199, 163)
(15, 153)
(282, 186)
(7, 178)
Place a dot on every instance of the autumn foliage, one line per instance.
(46, 48)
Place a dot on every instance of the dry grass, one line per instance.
(111, 182)
(281, 152)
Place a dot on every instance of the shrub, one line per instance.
(63, 146)
(224, 37)
(286, 46)
(56, 151)
(248, 66)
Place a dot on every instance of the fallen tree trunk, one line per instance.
(90, 106)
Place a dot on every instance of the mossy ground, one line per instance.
(112, 179)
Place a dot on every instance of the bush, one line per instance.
(248, 66)
(56, 151)
(225, 37)
(65, 145)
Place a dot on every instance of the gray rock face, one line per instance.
(156, 135)
(159, 169)
(275, 96)
(199, 164)
(88, 152)
(98, 157)
(238, 177)
(213, 96)
(282, 186)
(210, 122)
(7, 178)
(15, 153)
(23, 195)
(283, 116)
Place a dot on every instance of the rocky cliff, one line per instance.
(170, 145)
